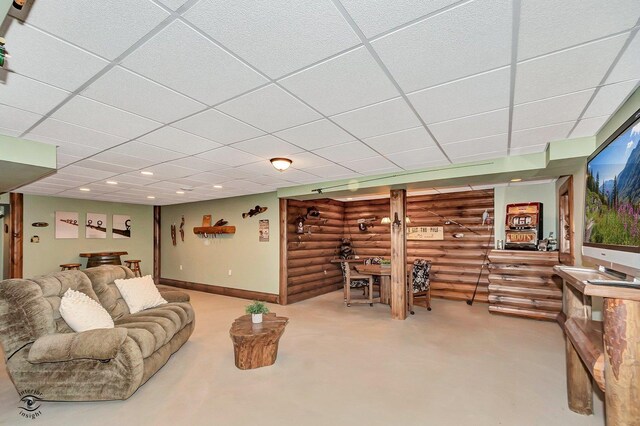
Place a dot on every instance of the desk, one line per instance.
(103, 258)
(608, 350)
(385, 280)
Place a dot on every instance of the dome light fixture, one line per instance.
(280, 163)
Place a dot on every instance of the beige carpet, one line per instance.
(456, 365)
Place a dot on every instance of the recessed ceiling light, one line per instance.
(146, 173)
(217, 186)
(179, 192)
(112, 182)
(516, 180)
(85, 189)
(151, 197)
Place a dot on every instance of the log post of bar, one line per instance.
(398, 254)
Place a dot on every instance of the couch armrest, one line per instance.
(171, 294)
(100, 344)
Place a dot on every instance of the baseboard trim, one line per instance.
(223, 291)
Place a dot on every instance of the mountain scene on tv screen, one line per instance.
(613, 192)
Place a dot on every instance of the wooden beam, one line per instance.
(156, 243)
(283, 285)
(398, 255)
(224, 291)
(16, 208)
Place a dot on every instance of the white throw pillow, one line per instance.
(140, 293)
(82, 313)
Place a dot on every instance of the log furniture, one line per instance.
(134, 265)
(608, 351)
(385, 280)
(256, 345)
(523, 284)
(104, 258)
(214, 230)
(350, 275)
(69, 266)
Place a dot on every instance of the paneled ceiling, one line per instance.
(203, 92)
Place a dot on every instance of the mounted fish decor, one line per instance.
(254, 211)
(221, 222)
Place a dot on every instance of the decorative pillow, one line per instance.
(82, 313)
(140, 293)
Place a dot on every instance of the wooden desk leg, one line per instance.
(622, 361)
(385, 289)
(579, 387)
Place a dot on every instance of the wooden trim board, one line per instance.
(224, 291)
(16, 207)
(157, 233)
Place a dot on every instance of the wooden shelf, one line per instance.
(211, 230)
(586, 336)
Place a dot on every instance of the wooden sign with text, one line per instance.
(432, 233)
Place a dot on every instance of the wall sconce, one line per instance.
(407, 220)
(386, 220)
(396, 221)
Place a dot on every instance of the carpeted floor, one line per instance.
(456, 365)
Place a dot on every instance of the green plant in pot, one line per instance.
(256, 309)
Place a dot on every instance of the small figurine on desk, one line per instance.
(548, 244)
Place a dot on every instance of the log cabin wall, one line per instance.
(456, 261)
(310, 272)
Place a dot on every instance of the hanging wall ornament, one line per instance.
(173, 234)
(182, 229)
(300, 225)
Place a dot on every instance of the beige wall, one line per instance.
(254, 265)
(45, 256)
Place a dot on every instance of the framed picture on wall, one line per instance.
(96, 226)
(121, 226)
(67, 225)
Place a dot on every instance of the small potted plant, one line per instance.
(256, 309)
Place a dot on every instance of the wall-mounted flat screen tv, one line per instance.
(612, 198)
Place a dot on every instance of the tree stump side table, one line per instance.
(256, 345)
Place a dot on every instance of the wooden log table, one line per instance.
(256, 345)
(608, 351)
(103, 258)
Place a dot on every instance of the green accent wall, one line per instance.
(45, 256)
(254, 265)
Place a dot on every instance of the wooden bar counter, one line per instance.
(608, 351)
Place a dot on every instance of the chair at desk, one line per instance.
(419, 282)
(354, 279)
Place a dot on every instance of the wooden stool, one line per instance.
(70, 266)
(134, 265)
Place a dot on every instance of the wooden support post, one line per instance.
(156, 243)
(579, 387)
(16, 203)
(621, 366)
(398, 255)
(283, 287)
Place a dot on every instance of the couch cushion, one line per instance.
(102, 279)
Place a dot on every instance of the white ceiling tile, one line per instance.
(332, 171)
(125, 90)
(134, 178)
(107, 167)
(548, 25)
(472, 127)
(609, 98)
(214, 125)
(404, 140)
(418, 158)
(31, 95)
(306, 160)
(106, 27)
(523, 150)
(268, 146)
(276, 36)
(260, 168)
(479, 157)
(10, 132)
(173, 4)
(317, 134)
(65, 159)
(471, 95)
(16, 119)
(177, 140)
(628, 67)
(47, 59)
(589, 126)
(378, 119)
(376, 16)
(371, 165)
(150, 152)
(66, 148)
(299, 176)
(184, 60)
(468, 39)
(351, 80)
(85, 172)
(66, 132)
(197, 164)
(565, 72)
(97, 116)
(123, 159)
(541, 135)
(270, 109)
(346, 152)
(234, 173)
(491, 144)
(550, 111)
(229, 156)
(170, 171)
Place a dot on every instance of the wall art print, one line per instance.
(121, 226)
(96, 225)
(67, 225)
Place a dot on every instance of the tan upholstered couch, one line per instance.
(43, 354)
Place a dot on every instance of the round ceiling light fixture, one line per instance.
(280, 163)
